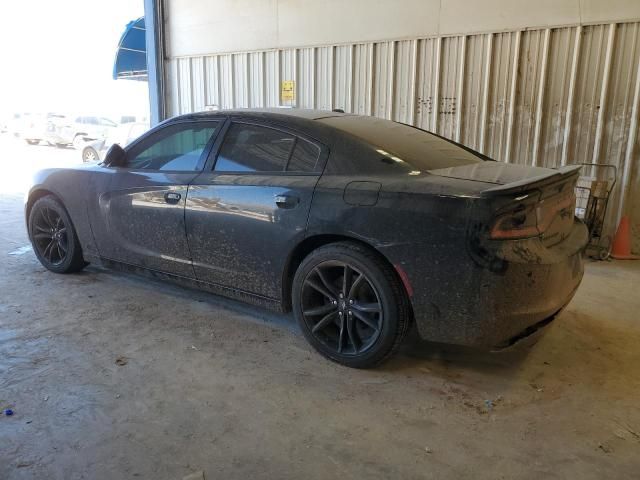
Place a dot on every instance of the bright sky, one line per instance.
(58, 56)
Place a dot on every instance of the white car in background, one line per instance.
(123, 135)
(35, 127)
(81, 130)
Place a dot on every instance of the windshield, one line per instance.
(401, 143)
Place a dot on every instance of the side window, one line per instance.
(250, 148)
(304, 157)
(176, 148)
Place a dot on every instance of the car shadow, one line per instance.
(414, 353)
(186, 292)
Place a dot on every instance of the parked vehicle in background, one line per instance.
(123, 135)
(35, 127)
(132, 119)
(82, 130)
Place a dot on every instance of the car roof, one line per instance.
(276, 113)
(400, 142)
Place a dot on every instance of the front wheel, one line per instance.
(350, 305)
(53, 237)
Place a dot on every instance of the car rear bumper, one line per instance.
(494, 302)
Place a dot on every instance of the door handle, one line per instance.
(286, 201)
(172, 197)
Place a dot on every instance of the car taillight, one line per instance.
(533, 219)
(520, 223)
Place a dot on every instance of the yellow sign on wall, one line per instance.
(287, 90)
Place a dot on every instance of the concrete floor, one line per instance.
(112, 377)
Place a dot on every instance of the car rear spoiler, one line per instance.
(554, 175)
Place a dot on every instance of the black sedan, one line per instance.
(360, 225)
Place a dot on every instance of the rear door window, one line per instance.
(304, 156)
(255, 148)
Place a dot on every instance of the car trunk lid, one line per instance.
(548, 194)
(506, 177)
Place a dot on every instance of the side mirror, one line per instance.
(115, 157)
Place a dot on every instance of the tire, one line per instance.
(89, 155)
(359, 326)
(32, 142)
(53, 237)
(61, 145)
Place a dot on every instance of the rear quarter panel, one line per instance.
(426, 232)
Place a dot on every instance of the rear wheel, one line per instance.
(89, 155)
(350, 305)
(32, 142)
(53, 237)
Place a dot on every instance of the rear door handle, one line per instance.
(172, 197)
(286, 201)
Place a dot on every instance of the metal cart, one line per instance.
(593, 190)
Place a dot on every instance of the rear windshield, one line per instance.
(404, 144)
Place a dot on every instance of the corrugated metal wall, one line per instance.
(544, 97)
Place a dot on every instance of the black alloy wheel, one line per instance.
(50, 235)
(350, 305)
(341, 307)
(53, 237)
